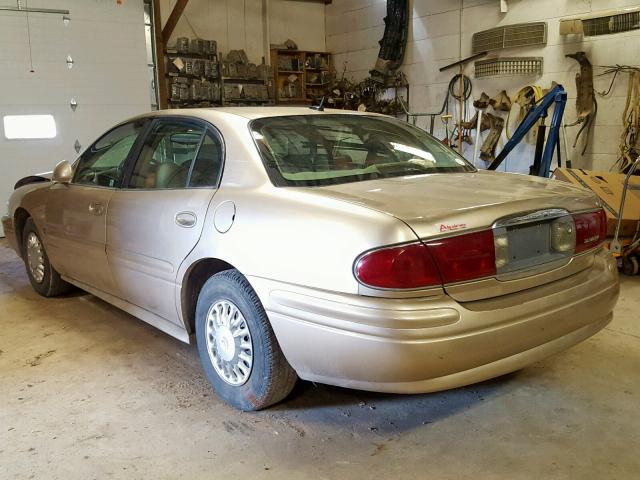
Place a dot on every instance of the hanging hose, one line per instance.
(451, 92)
(454, 88)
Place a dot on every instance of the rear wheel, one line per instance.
(43, 277)
(237, 347)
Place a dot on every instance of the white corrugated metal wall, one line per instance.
(109, 78)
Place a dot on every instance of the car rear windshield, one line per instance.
(327, 149)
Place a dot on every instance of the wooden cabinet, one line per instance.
(300, 76)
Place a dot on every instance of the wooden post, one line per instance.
(163, 92)
(162, 36)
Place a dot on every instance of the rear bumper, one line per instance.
(435, 343)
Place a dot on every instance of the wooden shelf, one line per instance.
(197, 56)
(296, 100)
(303, 89)
(258, 81)
(188, 75)
(248, 100)
(169, 72)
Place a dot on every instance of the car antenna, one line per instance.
(320, 106)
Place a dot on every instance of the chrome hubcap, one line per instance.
(229, 343)
(35, 257)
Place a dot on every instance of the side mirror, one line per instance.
(63, 173)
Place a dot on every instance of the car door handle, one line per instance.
(186, 219)
(96, 208)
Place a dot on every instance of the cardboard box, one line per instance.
(608, 187)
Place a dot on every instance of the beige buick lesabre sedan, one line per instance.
(343, 248)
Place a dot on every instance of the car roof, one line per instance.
(251, 113)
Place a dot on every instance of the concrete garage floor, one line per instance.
(90, 392)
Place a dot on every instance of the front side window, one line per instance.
(316, 150)
(102, 164)
(167, 155)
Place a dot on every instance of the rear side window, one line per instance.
(103, 163)
(208, 165)
(178, 154)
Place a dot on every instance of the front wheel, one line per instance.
(43, 277)
(237, 347)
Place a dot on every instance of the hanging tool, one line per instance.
(476, 146)
(488, 149)
(557, 97)
(586, 104)
(445, 119)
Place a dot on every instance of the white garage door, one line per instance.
(109, 78)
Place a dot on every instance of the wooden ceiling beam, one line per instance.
(172, 21)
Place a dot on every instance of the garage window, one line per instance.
(29, 127)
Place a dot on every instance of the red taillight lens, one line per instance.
(453, 259)
(406, 266)
(591, 229)
(465, 257)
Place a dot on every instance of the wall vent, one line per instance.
(622, 22)
(518, 35)
(504, 67)
(602, 23)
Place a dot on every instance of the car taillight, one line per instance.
(591, 229)
(475, 255)
(405, 266)
(418, 265)
(465, 257)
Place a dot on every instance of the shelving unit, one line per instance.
(211, 88)
(201, 89)
(312, 72)
(245, 95)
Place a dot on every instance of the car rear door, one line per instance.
(156, 219)
(76, 213)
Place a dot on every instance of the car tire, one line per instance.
(238, 349)
(43, 277)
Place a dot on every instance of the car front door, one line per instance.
(76, 213)
(156, 218)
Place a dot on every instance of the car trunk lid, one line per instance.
(449, 204)
(439, 203)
